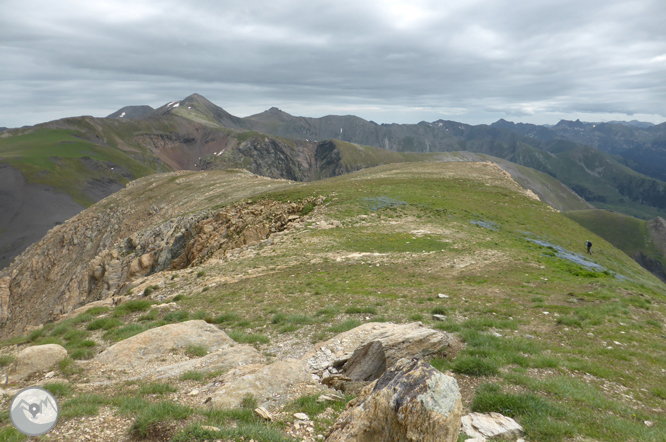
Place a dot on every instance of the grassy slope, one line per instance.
(591, 367)
(51, 156)
(627, 233)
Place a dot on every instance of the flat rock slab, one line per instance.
(35, 359)
(224, 359)
(262, 382)
(398, 341)
(154, 343)
(411, 402)
(481, 426)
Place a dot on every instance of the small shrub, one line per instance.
(249, 402)
(150, 316)
(281, 318)
(152, 414)
(659, 392)
(196, 351)
(288, 328)
(489, 398)
(354, 310)
(83, 405)
(226, 317)
(329, 310)
(156, 389)
(82, 354)
(5, 360)
(75, 335)
(475, 366)
(344, 326)
(68, 367)
(124, 332)
(148, 291)
(569, 321)
(201, 274)
(178, 298)
(178, 316)
(439, 310)
(192, 376)
(36, 334)
(134, 306)
(97, 310)
(248, 338)
(59, 389)
(104, 324)
(203, 315)
(309, 207)
(416, 317)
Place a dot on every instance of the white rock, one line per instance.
(301, 416)
(442, 296)
(193, 392)
(479, 425)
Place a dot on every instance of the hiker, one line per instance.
(589, 246)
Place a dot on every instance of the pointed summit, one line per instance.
(198, 108)
(272, 115)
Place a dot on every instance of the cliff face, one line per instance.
(135, 232)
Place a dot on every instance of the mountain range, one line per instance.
(77, 161)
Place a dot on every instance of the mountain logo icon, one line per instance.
(34, 411)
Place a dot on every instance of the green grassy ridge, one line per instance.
(51, 157)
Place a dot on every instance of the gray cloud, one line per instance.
(385, 60)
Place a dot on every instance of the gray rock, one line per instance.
(261, 381)
(411, 402)
(154, 343)
(439, 317)
(481, 426)
(367, 363)
(35, 359)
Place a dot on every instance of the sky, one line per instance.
(473, 61)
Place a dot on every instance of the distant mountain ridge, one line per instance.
(86, 158)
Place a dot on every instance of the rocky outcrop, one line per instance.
(391, 342)
(263, 382)
(223, 359)
(411, 402)
(154, 343)
(35, 359)
(131, 234)
(480, 426)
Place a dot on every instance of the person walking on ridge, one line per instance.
(589, 246)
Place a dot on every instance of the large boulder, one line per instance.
(155, 343)
(263, 382)
(410, 402)
(35, 359)
(223, 359)
(397, 341)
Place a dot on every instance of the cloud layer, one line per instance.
(386, 60)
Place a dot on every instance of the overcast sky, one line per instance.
(473, 61)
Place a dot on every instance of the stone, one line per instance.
(442, 296)
(411, 340)
(481, 426)
(301, 416)
(437, 317)
(154, 343)
(410, 402)
(263, 413)
(35, 359)
(261, 381)
(367, 363)
(210, 428)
